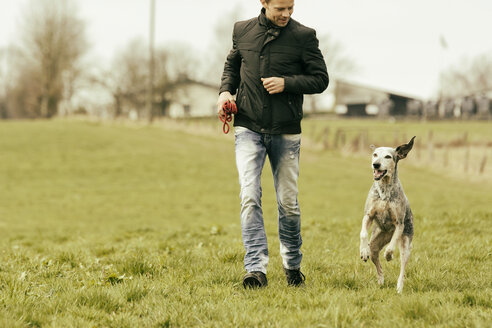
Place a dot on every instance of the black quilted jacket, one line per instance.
(260, 49)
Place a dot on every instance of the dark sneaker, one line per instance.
(255, 279)
(295, 277)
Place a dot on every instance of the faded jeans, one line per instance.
(283, 153)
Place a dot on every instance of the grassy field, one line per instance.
(118, 225)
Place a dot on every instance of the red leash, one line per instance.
(229, 108)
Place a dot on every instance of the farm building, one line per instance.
(354, 99)
(193, 99)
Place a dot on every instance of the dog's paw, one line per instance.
(364, 253)
(388, 254)
(399, 285)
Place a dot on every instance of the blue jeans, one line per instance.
(283, 153)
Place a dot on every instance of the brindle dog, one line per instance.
(388, 207)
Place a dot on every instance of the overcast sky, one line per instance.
(395, 43)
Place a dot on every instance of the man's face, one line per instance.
(278, 11)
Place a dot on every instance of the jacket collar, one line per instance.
(264, 21)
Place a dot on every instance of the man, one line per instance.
(273, 62)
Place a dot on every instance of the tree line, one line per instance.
(42, 71)
(47, 66)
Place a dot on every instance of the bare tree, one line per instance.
(21, 90)
(3, 73)
(130, 76)
(175, 65)
(221, 45)
(127, 80)
(51, 46)
(3, 83)
(470, 77)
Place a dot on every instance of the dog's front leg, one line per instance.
(388, 253)
(397, 216)
(364, 238)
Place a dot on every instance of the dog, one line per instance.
(387, 206)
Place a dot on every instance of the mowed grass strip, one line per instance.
(112, 225)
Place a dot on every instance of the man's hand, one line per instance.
(223, 98)
(273, 84)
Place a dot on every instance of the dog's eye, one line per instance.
(374, 155)
(387, 156)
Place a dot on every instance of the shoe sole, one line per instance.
(252, 282)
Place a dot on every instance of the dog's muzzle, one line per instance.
(378, 174)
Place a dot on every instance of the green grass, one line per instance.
(113, 225)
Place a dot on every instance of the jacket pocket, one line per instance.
(245, 105)
(286, 107)
(295, 104)
(240, 93)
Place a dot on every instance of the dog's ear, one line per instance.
(372, 147)
(403, 150)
